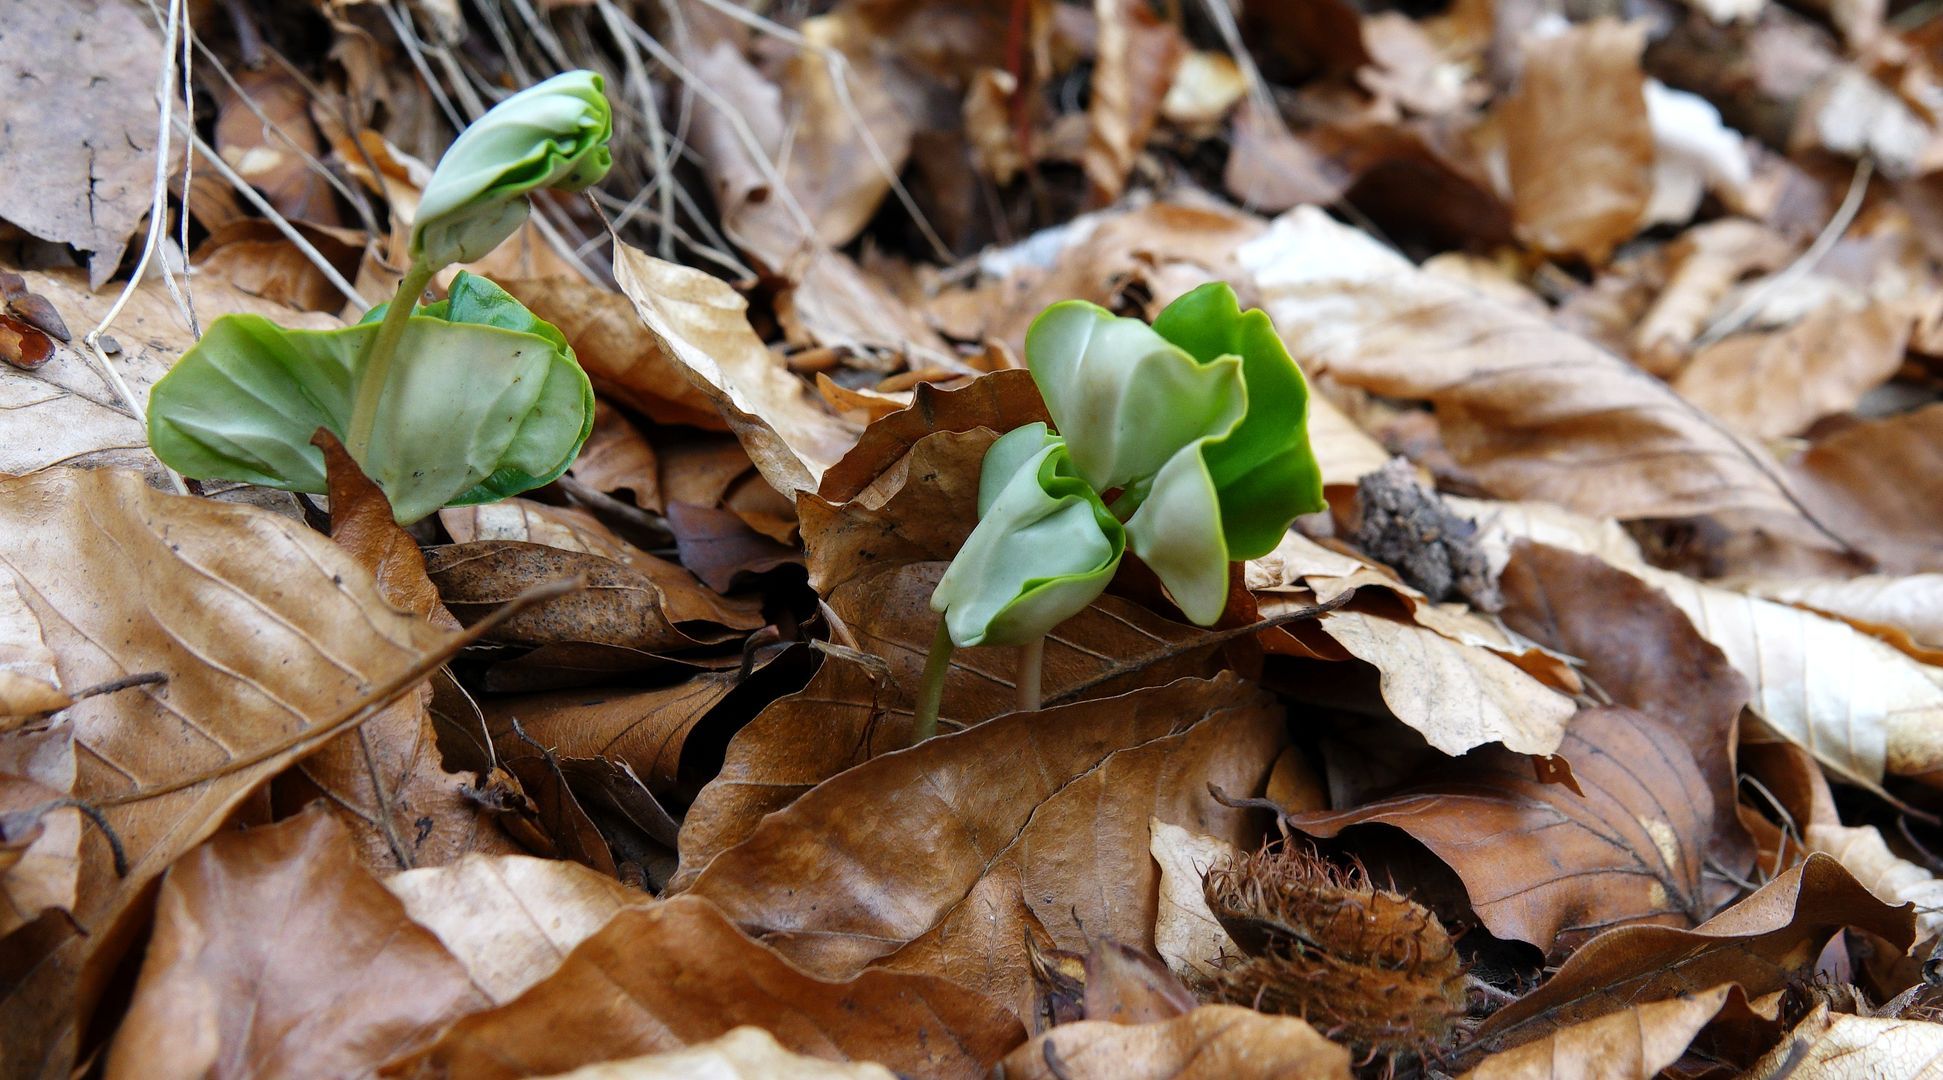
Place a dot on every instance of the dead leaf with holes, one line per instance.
(1031, 823)
(265, 631)
(676, 972)
(276, 953)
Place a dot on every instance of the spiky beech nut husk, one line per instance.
(1365, 965)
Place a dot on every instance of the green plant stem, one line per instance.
(931, 691)
(1032, 661)
(377, 363)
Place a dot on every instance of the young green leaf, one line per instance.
(1123, 397)
(1044, 548)
(1264, 471)
(551, 135)
(472, 410)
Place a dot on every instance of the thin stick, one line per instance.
(1032, 662)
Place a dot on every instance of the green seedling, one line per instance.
(467, 400)
(1186, 441)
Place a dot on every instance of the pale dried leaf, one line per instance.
(1843, 1046)
(29, 683)
(1186, 934)
(745, 1053)
(703, 326)
(1214, 1042)
(40, 845)
(1776, 383)
(1896, 880)
(1632, 1044)
(1905, 611)
(510, 919)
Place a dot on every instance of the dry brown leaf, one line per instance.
(1214, 1042)
(675, 973)
(1843, 1046)
(276, 954)
(1631, 1044)
(1878, 484)
(264, 630)
(1546, 865)
(623, 607)
(66, 413)
(1905, 611)
(1759, 944)
(719, 547)
(621, 356)
(1578, 145)
(1704, 263)
(40, 857)
(80, 137)
(745, 1053)
(1642, 652)
(386, 781)
(511, 919)
(1859, 705)
(253, 257)
(1135, 54)
(839, 720)
(702, 326)
(264, 131)
(1206, 85)
(1534, 411)
(645, 729)
(568, 528)
(1186, 933)
(617, 458)
(29, 681)
(1775, 384)
(942, 858)
(1001, 401)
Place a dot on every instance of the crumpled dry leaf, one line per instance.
(1547, 865)
(745, 1053)
(1214, 1042)
(65, 413)
(80, 136)
(276, 954)
(264, 629)
(1578, 143)
(644, 729)
(702, 326)
(1843, 1046)
(1031, 822)
(1703, 264)
(511, 919)
(40, 856)
(633, 605)
(1878, 484)
(1534, 411)
(839, 720)
(1777, 383)
(1631, 1044)
(618, 458)
(676, 972)
(29, 682)
(1186, 934)
(1135, 54)
(265, 138)
(1759, 944)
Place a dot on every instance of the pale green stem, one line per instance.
(931, 690)
(377, 363)
(1032, 661)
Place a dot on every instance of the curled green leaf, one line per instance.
(1044, 548)
(551, 135)
(1264, 471)
(1124, 398)
(483, 401)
